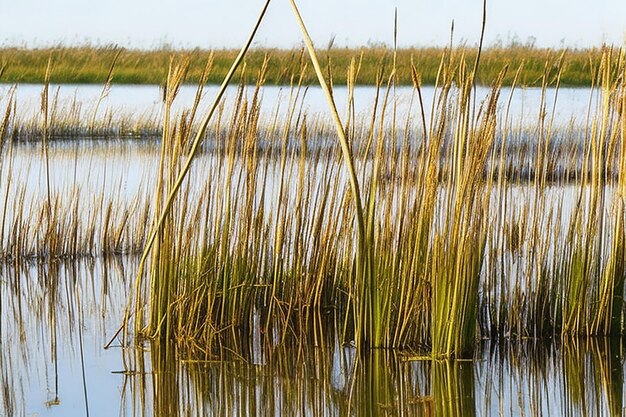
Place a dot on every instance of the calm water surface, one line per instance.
(57, 318)
(143, 101)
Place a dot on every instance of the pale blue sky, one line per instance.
(216, 24)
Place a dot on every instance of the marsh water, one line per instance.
(57, 318)
(61, 353)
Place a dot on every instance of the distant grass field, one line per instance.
(92, 64)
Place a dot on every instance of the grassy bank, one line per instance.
(92, 64)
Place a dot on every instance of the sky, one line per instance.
(226, 24)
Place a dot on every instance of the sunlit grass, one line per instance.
(87, 64)
(418, 233)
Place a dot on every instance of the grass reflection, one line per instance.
(292, 380)
(45, 306)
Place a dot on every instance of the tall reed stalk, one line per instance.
(459, 247)
(594, 261)
(176, 185)
(367, 303)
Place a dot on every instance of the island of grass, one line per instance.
(89, 64)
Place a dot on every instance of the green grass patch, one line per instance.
(91, 64)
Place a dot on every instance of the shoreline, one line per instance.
(92, 65)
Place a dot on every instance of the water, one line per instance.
(144, 101)
(64, 302)
(57, 316)
(55, 321)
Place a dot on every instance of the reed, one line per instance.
(418, 233)
(597, 257)
(458, 248)
(172, 146)
(412, 269)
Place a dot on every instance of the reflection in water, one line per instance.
(55, 318)
(50, 277)
(575, 379)
(55, 314)
(453, 388)
(594, 377)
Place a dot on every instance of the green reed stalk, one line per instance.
(162, 290)
(105, 91)
(190, 157)
(367, 314)
(608, 315)
(45, 121)
(458, 252)
(594, 261)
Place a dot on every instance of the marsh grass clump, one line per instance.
(594, 292)
(394, 230)
(458, 248)
(415, 232)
